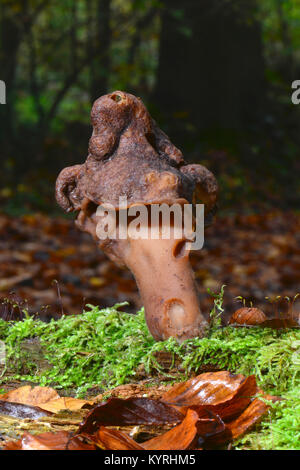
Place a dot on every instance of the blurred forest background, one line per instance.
(215, 74)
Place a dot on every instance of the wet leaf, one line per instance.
(223, 393)
(248, 418)
(215, 408)
(181, 437)
(254, 316)
(18, 410)
(131, 411)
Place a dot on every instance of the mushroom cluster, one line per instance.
(132, 160)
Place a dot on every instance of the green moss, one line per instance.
(280, 429)
(105, 347)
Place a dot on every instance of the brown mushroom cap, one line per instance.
(129, 156)
(248, 316)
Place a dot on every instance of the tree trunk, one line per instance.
(10, 41)
(99, 69)
(211, 70)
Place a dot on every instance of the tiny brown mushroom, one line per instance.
(129, 156)
(248, 316)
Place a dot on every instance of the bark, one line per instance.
(287, 66)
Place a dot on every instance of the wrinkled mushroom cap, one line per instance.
(130, 157)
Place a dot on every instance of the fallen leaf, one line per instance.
(18, 410)
(223, 393)
(254, 316)
(112, 439)
(248, 418)
(278, 323)
(207, 411)
(234, 406)
(64, 403)
(210, 428)
(48, 441)
(45, 398)
(181, 437)
(28, 395)
(131, 411)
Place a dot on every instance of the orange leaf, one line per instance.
(48, 441)
(64, 403)
(112, 439)
(223, 393)
(248, 418)
(181, 437)
(28, 395)
(44, 397)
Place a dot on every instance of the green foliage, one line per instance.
(105, 347)
(215, 314)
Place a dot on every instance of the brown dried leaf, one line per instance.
(64, 403)
(278, 323)
(18, 410)
(48, 441)
(210, 428)
(248, 418)
(131, 411)
(112, 439)
(45, 398)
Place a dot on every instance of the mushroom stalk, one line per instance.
(166, 283)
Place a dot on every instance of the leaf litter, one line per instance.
(206, 411)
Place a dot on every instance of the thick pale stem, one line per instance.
(167, 288)
(164, 277)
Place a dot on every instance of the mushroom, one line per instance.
(248, 316)
(130, 157)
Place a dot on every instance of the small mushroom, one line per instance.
(129, 156)
(248, 316)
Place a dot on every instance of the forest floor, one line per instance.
(50, 267)
(106, 353)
